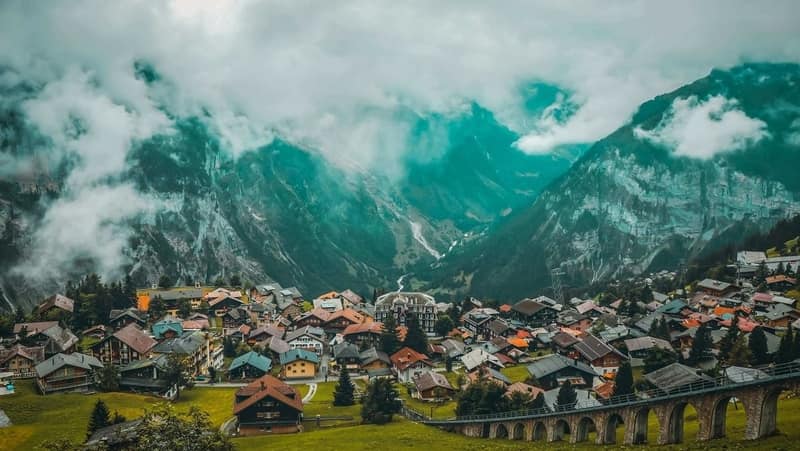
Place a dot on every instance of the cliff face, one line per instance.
(633, 203)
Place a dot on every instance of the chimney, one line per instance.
(262, 384)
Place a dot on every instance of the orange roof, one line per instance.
(328, 295)
(374, 328)
(518, 343)
(143, 302)
(505, 308)
(605, 390)
(690, 323)
(720, 310)
(406, 357)
(268, 386)
(522, 333)
(349, 314)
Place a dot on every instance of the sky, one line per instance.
(332, 76)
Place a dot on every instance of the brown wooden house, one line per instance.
(268, 405)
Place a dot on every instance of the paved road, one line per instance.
(312, 390)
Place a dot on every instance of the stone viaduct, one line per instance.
(711, 399)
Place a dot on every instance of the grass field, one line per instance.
(37, 418)
(517, 373)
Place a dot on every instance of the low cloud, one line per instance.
(703, 129)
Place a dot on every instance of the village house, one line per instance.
(551, 371)
(780, 316)
(498, 328)
(308, 338)
(408, 363)
(299, 364)
(347, 356)
(599, 354)
(315, 318)
(55, 306)
(169, 327)
(363, 335)
(780, 282)
(193, 347)
(289, 309)
(275, 347)
(351, 298)
(249, 366)
(235, 317)
(119, 318)
(534, 313)
(330, 302)
(50, 334)
(574, 320)
(21, 360)
(479, 357)
(221, 305)
(715, 287)
(403, 305)
(123, 346)
(487, 374)
(147, 376)
(67, 372)
(267, 405)
(432, 386)
(260, 335)
(341, 319)
(640, 347)
(477, 321)
(371, 360)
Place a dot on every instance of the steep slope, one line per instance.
(634, 203)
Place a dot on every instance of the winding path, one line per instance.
(312, 390)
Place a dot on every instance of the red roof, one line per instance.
(505, 308)
(135, 338)
(374, 328)
(268, 386)
(406, 357)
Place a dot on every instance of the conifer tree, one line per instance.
(729, 339)
(389, 342)
(99, 418)
(343, 395)
(758, 347)
(786, 348)
(567, 396)
(623, 382)
(415, 337)
(701, 345)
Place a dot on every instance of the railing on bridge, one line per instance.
(726, 381)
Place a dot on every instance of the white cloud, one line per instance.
(704, 129)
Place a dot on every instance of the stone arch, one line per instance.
(518, 432)
(486, 429)
(539, 431)
(719, 416)
(560, 429)
(501, 431)
(675, 422)
(640, 426)
(610, 431)
(585, 426)
(768, 413)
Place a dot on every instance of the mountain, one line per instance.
(283, 212)
(692, 170)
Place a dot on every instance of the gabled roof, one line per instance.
(318, 313)
(370, 355)
(345, 350)
(33, 353)
(522, 387)
(188, 343)
(351, 296)
(674, 375)
(564, 340)
(406, 357)
(167, 324)
(253, 359)
(57, 301)
(277, 345)
(372, 328)
(431, 379)
(314, 332)
(556, 362)
(298, 354)
(348, 314)
(711, 284)
(224, 299)
(478, 357)
(35, 328)
(527, 307)
(59, 361)
(647, 342)
(133, 313)
(268, 386)
(159, 361)
(60, 339)
(135, 338)
(592, 348)
(268, 329)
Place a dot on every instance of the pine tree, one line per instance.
(380, 402)
(786, 348)
(448, 363)
(415, 337)
(740, 352)
(389, 342)
(701, 346)
(343, 394)
(567, 396)
(538, 402)
(758, 346)
(623, 382)
(444, 325)
(796, 346)
(99, 418)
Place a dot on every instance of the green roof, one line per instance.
(298, 354)
(253, 359)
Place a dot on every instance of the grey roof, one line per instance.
(738, 374)
(430, 379)
(178, 293)
(647, 342)
(584, 398)
(314, 332)
(556, 362)
(592, 348)
(116, 434)
(188, 343)
(673, 376)
(131, 312)
(454, 348)
(346, 350)
(527, 307)
(277, 345)
(712, 284)
(58, 361)
(159, 361)
(564, 340)
(478, 357)
(498, 326)
(60, 339)
(372, 354)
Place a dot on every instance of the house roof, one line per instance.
(57, 301)
(370, 355)
(781, 278)
(348, 314)
(269, 329)
(32, 353)
(135, 338)
(35, 328)
(712, 284)
(188, 343)
(298, 354)
(584, 398)
(133, 313)
(159, 361)
(478, 357)
(372, 327)
(592, 348)
(647, 342)
(429, 380)
(564, 340)
(58, 361)
(60, 339)
(557, 362)
(406, 357)
(268, 386)
(167, 324)
(673, 376)
(522, 387)
(277, 345)
(351, 296)
(498, 326)
(528, 307)
(224, 299)
(346, 350)
(314, 332)
(489, 373)
(318, 313)
(253, 359)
